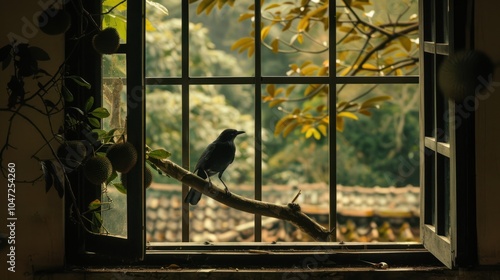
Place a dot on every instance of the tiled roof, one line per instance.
(364, 214)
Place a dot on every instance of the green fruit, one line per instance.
(72, 153)
(148, 178)
(97, 169)
(107, 41)
(123, 156)
(459, 75)
(54, 22)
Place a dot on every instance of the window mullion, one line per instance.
(185, 113)
(332, 128)
(258, 120)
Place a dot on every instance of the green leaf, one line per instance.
(94, 122)
(100, 132)
(39, 54)
(100, 112)
(120, 187)
(79, 81)
(159, 154)
(67, 95)
(89, 104)
(112, 177)
(95, 204)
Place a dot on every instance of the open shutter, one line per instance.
(447, 139)
(127, 243)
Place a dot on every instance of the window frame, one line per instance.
(134, 249)
(458, 247)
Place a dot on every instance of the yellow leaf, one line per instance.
(271, 88)
(369, 66)
(282, 124)
(275, 45)
(300, 38)
(323, 129)
(149, 26)
(308, 70)
(405, 42)
(340, 124)
(245, 16)
(289, 90)
(241, 42)
(347, 115)
(291, 126)
(276, 102)
(264, 32)
(365, 112)
(205, 5)
(373, 101)
(351, 38)
(271, 6)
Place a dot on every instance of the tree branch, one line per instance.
(290, 212)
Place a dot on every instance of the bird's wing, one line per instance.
(205, 156)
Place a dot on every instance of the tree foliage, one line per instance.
(368, 43)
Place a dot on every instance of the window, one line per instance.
(448, 221)
(190, 83)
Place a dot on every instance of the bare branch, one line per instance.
(290, 212)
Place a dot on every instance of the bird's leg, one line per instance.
(225, 187)
(209, 181)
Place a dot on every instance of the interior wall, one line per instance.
(487, 39)
(38, 231)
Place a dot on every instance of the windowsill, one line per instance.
(171, 270)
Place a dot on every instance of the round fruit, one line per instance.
(72, 153)
(54, 22)
(123, 156)
(459, 76)
(148, 178)
(107, 41)
(97, 169)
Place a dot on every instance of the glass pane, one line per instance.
(115, 16)
(377, 38)
(294, 38)
(163, 130)
(163, 40)
(114, 203)
(378, 165)
(214, 32)
(295, 157)
(214, 108)
(443, 195)
(430, 187)
(429, 95)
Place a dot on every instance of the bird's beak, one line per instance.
(240, 132)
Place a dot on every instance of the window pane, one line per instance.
(211, 39)
(163, 41)
(377, 38)
(295, 157)
(286, 48)
(163, 130)
(214, 108)
(114, 203)
(378, 163)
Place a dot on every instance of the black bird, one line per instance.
(215, 159)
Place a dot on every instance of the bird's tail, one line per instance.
(193, 197)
